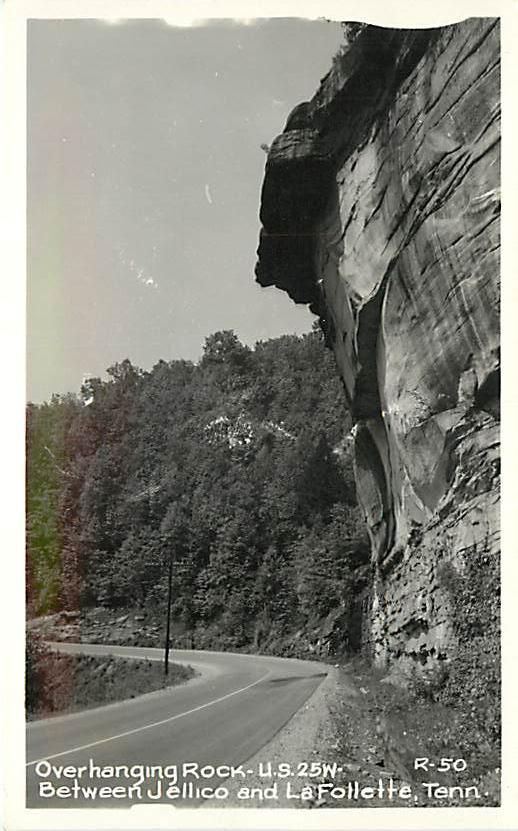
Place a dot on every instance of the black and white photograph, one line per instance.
(262, 424)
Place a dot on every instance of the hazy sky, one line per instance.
(144, 179)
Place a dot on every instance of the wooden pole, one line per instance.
(169, 598)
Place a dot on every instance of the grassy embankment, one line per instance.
(379, 730)
(58, 683)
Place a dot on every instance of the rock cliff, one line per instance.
(380, 209)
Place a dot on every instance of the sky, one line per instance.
(144, 177)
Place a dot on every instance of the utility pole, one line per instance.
(169, 598)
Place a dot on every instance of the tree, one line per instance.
(257, 519)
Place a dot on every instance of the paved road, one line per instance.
(222, 717)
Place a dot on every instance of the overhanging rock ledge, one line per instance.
(380, 208)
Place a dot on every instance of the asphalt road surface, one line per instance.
(218, 719)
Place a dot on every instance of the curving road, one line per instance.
(221, 717)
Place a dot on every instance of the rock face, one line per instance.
(380, 208)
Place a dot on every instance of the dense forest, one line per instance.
(237, 468)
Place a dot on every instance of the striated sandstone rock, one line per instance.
(380, 208)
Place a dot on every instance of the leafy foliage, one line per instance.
(475, 672)
(228, 467)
